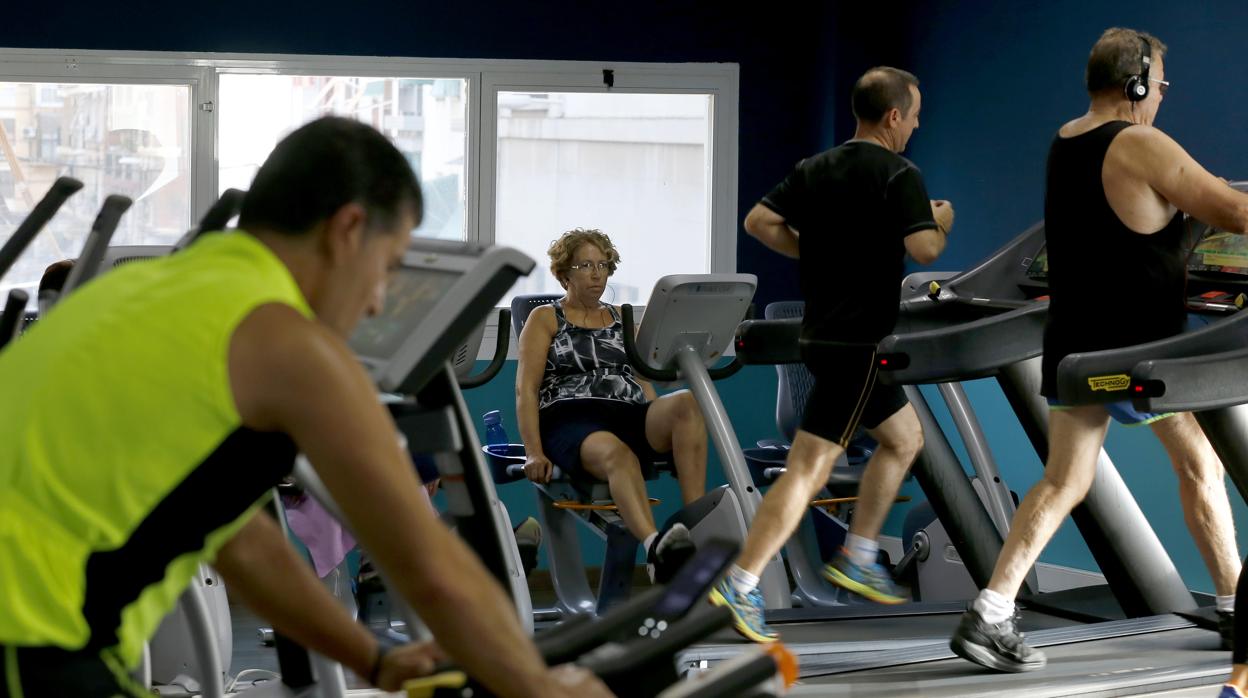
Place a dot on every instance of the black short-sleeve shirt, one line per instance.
(853, 207)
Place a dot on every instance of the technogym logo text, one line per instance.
(1109, 384)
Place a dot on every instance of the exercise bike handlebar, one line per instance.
(220, 213)
(92, 255)
(501, 343)
(14, 314)
(666, 375)
(517, 471)
(62, 189)
(218, 216)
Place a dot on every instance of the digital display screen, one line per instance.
(410, 295)
(1221, 252)
(1039, 268)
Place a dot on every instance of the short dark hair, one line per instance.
(1117, 55)
(324, 165)
(880, 89)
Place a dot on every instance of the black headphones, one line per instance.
(1136, 86)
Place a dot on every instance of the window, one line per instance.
(636, 166)
(424, 117)
(117, 139)
(509, 152)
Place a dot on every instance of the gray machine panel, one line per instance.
(429, 291)
(117, 255)
(716, 301)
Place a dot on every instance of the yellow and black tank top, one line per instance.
(123, 459)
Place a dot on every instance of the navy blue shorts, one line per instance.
(426, 469)
(1123, 412)
(566, 424)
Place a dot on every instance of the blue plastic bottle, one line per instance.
(495, 434)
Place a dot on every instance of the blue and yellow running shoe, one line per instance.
(747, 611)
(871, 582)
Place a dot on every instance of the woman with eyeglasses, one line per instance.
(580, 406)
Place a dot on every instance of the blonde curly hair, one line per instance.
(562, 250)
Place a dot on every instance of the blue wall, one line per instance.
(998, 79)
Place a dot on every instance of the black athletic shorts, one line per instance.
(846, 393)
(52, 671)
(566, 423)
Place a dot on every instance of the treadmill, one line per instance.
(989, 321)
(1156, 648)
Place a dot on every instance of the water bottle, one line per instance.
(495, 434)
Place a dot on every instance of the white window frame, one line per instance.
(351, 66)
(720, 80)
(47, 66)
(484, 79)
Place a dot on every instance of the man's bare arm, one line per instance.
(1157, 159)
(294, 375)
(264, 571)
(772, 230)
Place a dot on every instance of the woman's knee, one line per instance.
(688, 411)
(609, 454)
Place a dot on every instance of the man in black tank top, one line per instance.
(1115, 192)
(860, 208)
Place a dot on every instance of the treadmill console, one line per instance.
(1038, 270)
(1220, 252)
(1217, 270)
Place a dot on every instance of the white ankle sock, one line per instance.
(649, 541)
(994, 607)
(1225, 604)
(742, 581)
(862, 551)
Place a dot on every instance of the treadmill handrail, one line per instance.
(925, 303)
(930, 356)
(1192, 383)
(769, 342)
(1105, 376)
(778, 341)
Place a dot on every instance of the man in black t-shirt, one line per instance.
(849, 216)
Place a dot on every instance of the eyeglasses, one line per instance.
(1162, 85)
(588, 267)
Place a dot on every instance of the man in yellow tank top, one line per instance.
(142, 423)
